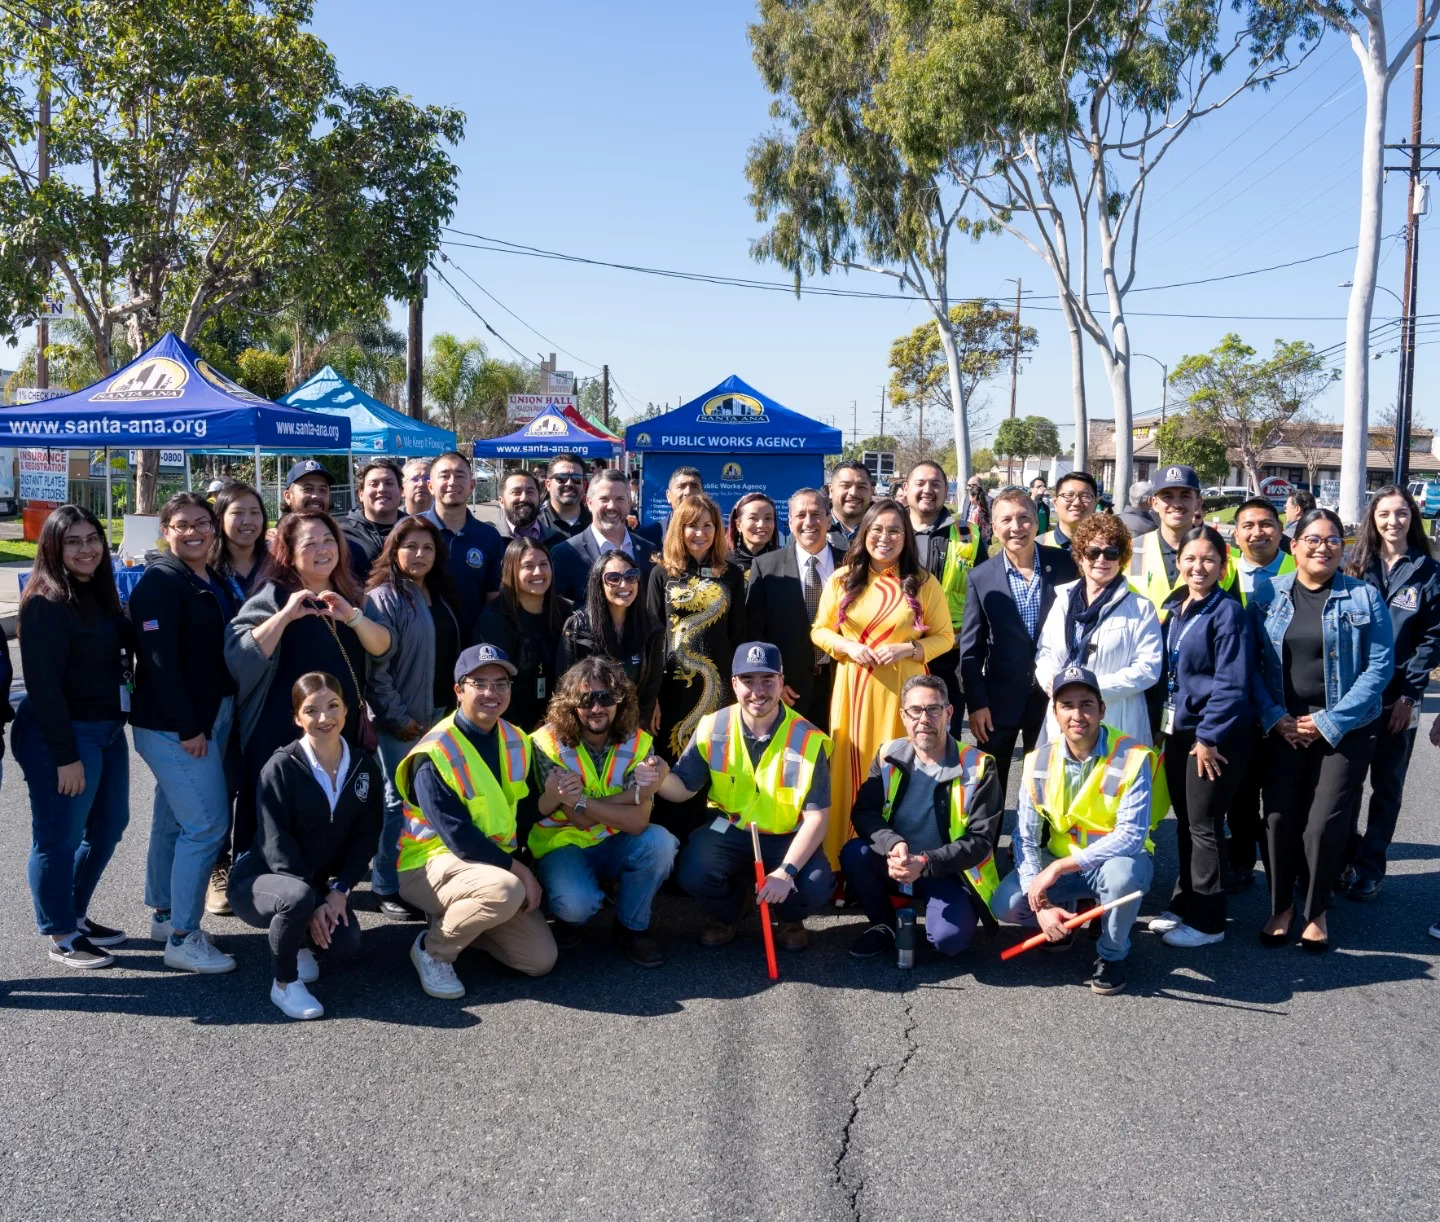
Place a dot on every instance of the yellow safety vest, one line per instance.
(1078, 820)
(974, 764)
(1147, 575)
(491, 800)
(555, 830)
(769, 794)
(959, 560)
(1287, 565)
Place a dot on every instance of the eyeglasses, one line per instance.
(1315, 542)
(202, 527)
(1110, 553)
(497, 686)
(568, 478)
(590, 700)
(930, 712)
(1083, 498)
(628, 577)
(90, 540)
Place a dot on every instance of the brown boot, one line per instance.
(791, 935)
(717, 933)
(217, 903)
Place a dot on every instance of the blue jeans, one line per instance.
(718, 869)
(1112, 879)
(945, 903)
(72, 839)
(384, 878)
(190, 821)
(571, 876)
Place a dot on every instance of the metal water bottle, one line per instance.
(905, 938)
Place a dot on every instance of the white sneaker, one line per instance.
(309, 968)
(1435, 930)
(295, 1000)
(1165, 922)
(160, 931)
(436, 978)
(1186, 935)
(198, 954)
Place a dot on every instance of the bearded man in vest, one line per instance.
(467, 802)
(1176, 503)
(765, 766)
(925, 818)
(948, 548)
(598, 773)
(1086, 809)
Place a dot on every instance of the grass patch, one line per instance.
(16, 550)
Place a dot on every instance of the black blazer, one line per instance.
(653, 533)
(572, 559)
(775, 612)
(997, 656)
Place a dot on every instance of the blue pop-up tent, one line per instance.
(375, 427)
(550, 433)
(740, 440)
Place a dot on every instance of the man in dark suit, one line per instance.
(781, 600)
(608, 500)
(684, 481)
(1006, 602)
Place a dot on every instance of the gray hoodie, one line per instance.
(402, 683)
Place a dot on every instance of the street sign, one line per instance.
(524, 408)
(562, 382)
(1328, 494)
(33, 394)
(56, 304)
(44, 475)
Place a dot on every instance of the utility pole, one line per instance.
(882, 411)
(1406, 382)
(1015, 351)
(605, 394)
(414, 383)
(42, 157)
(855, 407)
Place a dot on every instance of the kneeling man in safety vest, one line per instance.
(768, 766)
(925, 817)
(1084, 827)
(598, 775)
(466, 797)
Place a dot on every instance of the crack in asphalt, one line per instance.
(853, 1189)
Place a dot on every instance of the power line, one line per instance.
(460, 297)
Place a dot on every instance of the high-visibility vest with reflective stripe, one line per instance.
(491, 800)
(1084, 817)
(769, 794)
(1287, 565)
(1147, 574)
(974, 764)
(959, 560)
(555, 829)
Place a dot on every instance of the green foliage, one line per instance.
(985, 336)
(467, 390)
(263, 372)
(982, 459)
(1027, 437)
(1194, 439)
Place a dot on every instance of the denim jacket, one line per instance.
(1359, 658)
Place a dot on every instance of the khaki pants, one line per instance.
(469, 902)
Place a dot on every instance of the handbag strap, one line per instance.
(359, 691)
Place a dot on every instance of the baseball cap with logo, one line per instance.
(1075, 676)
(1176, 477)
(476, 656)
(756, 658)
(309, 467)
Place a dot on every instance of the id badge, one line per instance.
(124, 697)
(721, 825)
(540, 687)
(1167, 719)
(1415, 716)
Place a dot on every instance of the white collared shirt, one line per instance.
(824, 561)
(331, 791)
(605, 545)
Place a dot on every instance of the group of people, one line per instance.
(492, 723)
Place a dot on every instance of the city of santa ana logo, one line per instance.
(230, 387)
(546, 426)
(157, 378)
(642, 440)
(731, 471)
(732, 409)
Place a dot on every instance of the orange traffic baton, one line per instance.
(1073, 923)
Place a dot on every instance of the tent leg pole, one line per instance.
(259, 483)
(188, 488)
(350, 471)
(109, 499)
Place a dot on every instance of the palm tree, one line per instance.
(451, 372)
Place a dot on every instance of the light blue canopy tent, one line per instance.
(375, 427)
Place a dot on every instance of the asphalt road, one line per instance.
(1229, 1082)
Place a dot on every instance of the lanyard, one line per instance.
(1177, 640)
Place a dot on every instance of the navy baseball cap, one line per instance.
(1075, 676)
(1176, 477)
(756, 658)
(476, 656)
(309, 467)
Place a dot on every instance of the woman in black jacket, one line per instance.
(1393, 555)
(615, 624)
(182, 711)
(319, 808)
(751, 531)
(525, 621)
(69, 735)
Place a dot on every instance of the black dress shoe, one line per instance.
(1364, 890)
(638, 946)
(1239, 882)
(1272, 940)
(1316, 946)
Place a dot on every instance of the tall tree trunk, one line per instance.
(147, 469)
(1077, 388)
(1356, 441)
(962, 408)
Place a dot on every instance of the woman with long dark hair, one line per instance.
(882, 617)
(305, 615)
(1392, 554)
(237, 548)
(409, 592)
(69, 735)
(1324, 664)
(752, 531)
(525, 620)
(614, 624)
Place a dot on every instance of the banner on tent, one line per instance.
(728, 478)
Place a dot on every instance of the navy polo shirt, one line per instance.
(475, 554)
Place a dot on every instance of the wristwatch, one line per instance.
(580, 805)
(1408, 701)
(790, 871)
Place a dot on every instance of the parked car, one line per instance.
(1227, 490)
(1427, 495)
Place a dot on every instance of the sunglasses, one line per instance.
(1110, 553)
(601, 699)
(568, 478)
(628, 577)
